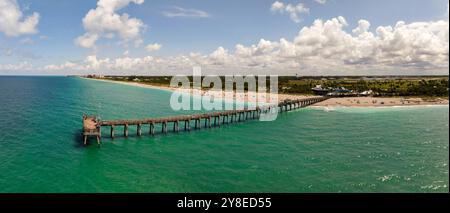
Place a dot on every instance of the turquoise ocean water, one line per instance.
(403, 149)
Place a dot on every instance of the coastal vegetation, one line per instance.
(382, 86)
(405, 86)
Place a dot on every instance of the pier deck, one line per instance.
(92, 125)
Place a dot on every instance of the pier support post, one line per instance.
(125, 130)
(112, 131)
(218, 121)
(175, 126)
(152, 129)
(187, 125)
(164, 127)
(139, 129)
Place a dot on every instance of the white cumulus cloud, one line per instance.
(104, 21)
(153, 47)
(294, 11)
(13, 22)
(277, 6)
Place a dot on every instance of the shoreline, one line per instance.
(362, 102)
(238, 97)
(132, 84)
(330, 107)
(381, 102)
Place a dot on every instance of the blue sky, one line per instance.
(229, 23)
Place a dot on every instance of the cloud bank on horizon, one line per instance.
(325, 47)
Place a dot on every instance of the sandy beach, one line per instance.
(380, 102)
(220, 94)
(332, 102)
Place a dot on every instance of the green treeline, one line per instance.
(383, 87)
(404, 86)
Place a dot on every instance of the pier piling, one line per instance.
(139, 129)
(125, 130)
(112, 131)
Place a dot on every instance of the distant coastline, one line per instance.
(332, 102)
(239, 97)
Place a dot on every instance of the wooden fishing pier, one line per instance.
(92, 125)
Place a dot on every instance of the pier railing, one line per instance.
(92, 126)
